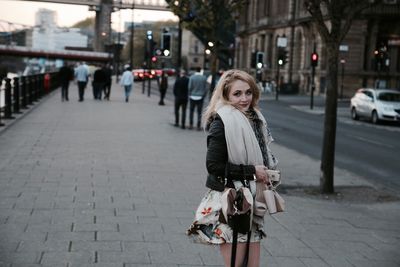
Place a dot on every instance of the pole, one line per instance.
(179, 61)
(118, 45)
(278, 84)
(132, 37)
(312, 87)
(341, 86)
(312, 80)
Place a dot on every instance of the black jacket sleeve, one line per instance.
(217, 155)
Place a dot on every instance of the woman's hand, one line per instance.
(261, 174)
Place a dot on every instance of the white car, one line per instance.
(376, 105)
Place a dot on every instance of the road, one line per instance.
(368, 150)
(365, 149)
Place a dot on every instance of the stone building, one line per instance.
(369, 54)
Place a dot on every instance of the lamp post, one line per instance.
(132, 37)
(118, 45)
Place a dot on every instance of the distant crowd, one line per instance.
(187, 90)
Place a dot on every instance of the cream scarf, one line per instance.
(241, 141)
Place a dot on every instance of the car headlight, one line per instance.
(388, 108)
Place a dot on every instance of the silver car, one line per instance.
(376, 105)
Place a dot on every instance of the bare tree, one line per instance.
(333, 19)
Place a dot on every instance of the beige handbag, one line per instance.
(275, 202)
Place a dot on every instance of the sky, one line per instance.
(23, 12)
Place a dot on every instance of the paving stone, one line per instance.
(19, 257)
(57, 257)
(86, 227)
(125, 257)
(175, 258)
(96, 246)
(52, 245)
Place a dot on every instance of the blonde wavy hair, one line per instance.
(222, 90)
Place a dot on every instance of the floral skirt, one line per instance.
(208, 229)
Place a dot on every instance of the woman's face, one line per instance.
(240, 95)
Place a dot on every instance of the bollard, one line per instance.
(16, 95)
(38, 91)
(24, 101)
(1, 82)
(8, 100)
(30, 89)
(47, 83)
(41, 81)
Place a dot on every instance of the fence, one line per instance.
(20, 93)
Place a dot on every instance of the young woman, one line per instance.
(127, 81)
(237, 150)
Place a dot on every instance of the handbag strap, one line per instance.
(234, 248)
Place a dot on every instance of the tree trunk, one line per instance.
(329, 138)
(213, 65)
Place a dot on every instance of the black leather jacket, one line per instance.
(217, 163)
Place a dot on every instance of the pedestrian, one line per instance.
(99, 80)
(163, 86)
(82, 76)
(107, 86)
(197, 93)
(127, 81)
(66, 74)
(181, 93)
(237, 151)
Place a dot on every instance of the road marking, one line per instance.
(370, 141)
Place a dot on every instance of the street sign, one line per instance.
(344, 48)
(281, 42)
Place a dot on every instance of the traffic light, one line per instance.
(166, 44)
(282, 56)
(154, 59)
(314, 59)
(149, 35)
(259, 60)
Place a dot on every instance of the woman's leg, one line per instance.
(254, 254)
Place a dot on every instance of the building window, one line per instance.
(195, 60)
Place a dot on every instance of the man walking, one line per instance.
(107, 86)
(82, 75)
(181, 92)
(66, 74)
(197, 93)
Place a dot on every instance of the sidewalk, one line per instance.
(109, 183)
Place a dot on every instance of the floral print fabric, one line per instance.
(207, 228)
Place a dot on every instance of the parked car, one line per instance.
(140, 74)
(376, 105)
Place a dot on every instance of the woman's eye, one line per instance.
(249, 92)
(236, 93)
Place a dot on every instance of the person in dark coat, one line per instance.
(163, 86)
(107, 86)
(99, 80)
(66, 74)
(181, 93)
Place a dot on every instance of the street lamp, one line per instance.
(118, 45)
(132, 37)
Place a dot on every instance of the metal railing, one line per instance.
(20, 93)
